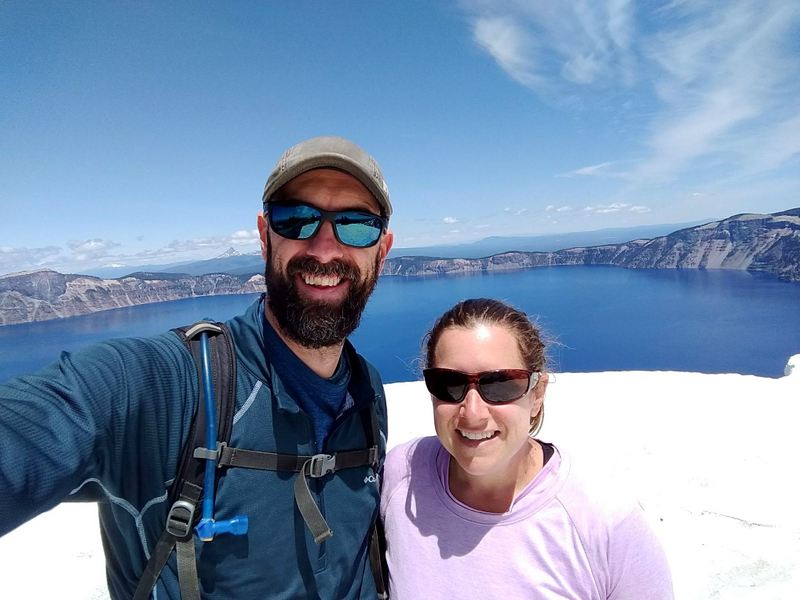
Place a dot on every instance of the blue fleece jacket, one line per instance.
(108, 423)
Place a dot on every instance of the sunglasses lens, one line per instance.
(294, 221)
(503, 386)
(301, 222)
(358, 229)
(445, 385)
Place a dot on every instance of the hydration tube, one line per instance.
(207, 528)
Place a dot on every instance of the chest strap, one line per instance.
(315, 466)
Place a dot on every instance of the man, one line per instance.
(108, 423)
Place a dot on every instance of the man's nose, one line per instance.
(324, 246)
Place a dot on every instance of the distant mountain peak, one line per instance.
(229, 252)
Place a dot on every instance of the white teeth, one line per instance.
(476, 435)
(321, 280)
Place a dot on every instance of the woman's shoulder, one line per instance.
(414, 457)
(617, 535)
(593, 498)
(403, 456)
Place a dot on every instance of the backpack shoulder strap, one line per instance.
(187, 489)
(223, 372)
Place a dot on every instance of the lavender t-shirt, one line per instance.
(559, 539)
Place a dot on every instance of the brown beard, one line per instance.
(315, 324)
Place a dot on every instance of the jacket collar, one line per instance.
(248, 333)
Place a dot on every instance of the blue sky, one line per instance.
(143, 132)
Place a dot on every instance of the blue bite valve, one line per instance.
(237, 525)
(207, 529)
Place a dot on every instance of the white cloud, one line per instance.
(729, 82)
(245, 235)
(510, 46)
(82, 255)
(23, 259)
(93, 249)
(450, 220)
(719, 80)
(615, 207)
(554, 208)
(603, 169)
(584, 43)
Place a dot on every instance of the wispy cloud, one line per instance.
(615, 207)
(721, 79)
(450, 220)
(204, 247)
(727, 79)
(244, 236)
(91, 253)
(544, 45)
(511, 46)
(605, 169)
(554, 208)
(21, 259)
(92, 249)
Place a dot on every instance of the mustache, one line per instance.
(311, 266)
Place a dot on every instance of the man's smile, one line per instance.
(321, 280)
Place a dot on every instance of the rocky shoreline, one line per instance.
(45, 295)
(753, 242)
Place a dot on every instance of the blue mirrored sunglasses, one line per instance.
(296, 221)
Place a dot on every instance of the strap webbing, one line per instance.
(272, 461)
(187, 570)
(376, 562)
(308, 508)
(152, 570)
(189, 493)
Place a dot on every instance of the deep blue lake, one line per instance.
(599, 319)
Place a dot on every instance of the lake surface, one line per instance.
(598, 319)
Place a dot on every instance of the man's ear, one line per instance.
(385, 245)
(263, 226)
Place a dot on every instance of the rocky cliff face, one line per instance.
(769, 243)
(43, 295)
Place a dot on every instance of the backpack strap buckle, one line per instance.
(181, 518)
(206, 454)
(320, 465)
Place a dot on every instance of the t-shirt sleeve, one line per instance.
(638, 566)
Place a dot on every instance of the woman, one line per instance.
(485, 509)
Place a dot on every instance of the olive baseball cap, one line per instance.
(332, 153)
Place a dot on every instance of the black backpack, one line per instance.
(186, 491)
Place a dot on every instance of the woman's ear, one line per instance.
(538, 394)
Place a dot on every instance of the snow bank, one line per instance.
(710, 457)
